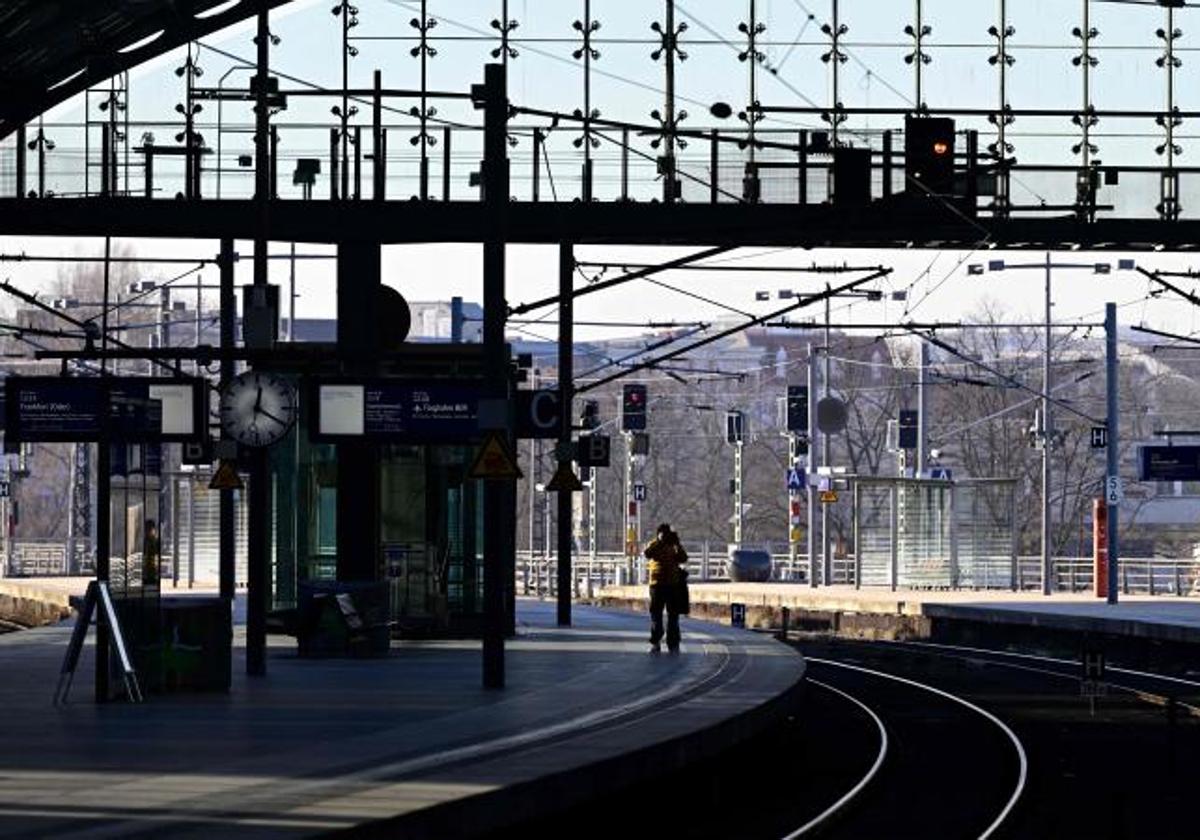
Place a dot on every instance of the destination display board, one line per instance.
(64, 410)
(1169, 463)
(396, 411)
(127, 409)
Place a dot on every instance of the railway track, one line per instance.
(940, 776)
(895, 740)
(927, 736)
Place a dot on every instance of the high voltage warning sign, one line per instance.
(494, 461)
(226, 477)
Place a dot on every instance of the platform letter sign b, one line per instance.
(594, 450)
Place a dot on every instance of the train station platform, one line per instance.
(882, 613)
(410, 745)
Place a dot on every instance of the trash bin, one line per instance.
(197, 637)
(749, 565)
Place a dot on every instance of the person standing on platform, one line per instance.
(666, 557)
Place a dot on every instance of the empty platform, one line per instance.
(409, 745)
(880, 612)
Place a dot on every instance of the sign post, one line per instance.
(1112, 371)
(1100, 546)
(1091, 683)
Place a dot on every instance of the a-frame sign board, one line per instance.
(97, 592)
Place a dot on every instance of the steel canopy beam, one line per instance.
(762, 225)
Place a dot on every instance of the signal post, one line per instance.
(633, 425)
(796, 430)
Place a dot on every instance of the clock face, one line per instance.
(258, 408)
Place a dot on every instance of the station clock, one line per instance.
(257, 408)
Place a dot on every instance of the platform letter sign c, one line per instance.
(538, 414)
(543, 411)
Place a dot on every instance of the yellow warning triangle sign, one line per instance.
(226, 477)
(494, 461)
(564, 479)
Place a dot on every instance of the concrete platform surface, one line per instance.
(410, 745)
(1159, 617)
(59, 589)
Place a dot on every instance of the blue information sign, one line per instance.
(397, 411)
(1169, 463)
(53, 409)
(129, 409)
(795, 479)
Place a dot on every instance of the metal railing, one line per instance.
(548, 166)
(1137, 576)
(537, 573)
(47, 558)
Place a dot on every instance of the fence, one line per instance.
(1137, 575)
(537, 574)
(47, 558)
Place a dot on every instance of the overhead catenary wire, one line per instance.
(937, 342)
(808, 301)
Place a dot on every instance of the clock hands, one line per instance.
(266, 413)
(258, 409)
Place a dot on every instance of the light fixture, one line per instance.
(142, 42)
(217, 9)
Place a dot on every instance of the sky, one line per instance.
(627, 86)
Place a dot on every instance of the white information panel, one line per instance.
(178, 411)
(341, 409)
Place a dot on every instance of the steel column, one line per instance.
(497, 552)
(1113, 459)
(103, 547)
(566, 374)
(810, 491)
(1047, 436)
(225, 528)
(826, 448)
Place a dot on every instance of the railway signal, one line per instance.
(929, 154)
(633, 408)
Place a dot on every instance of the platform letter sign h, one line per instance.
(1092, 684)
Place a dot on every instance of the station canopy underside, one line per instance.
(592, 223)
(51, 50)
